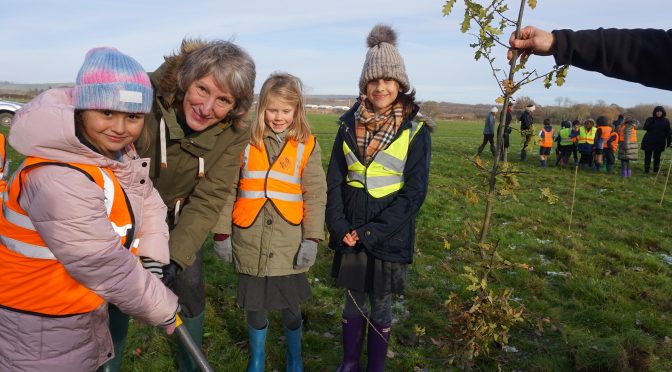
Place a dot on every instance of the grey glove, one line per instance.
(223, 249)
(307, 254)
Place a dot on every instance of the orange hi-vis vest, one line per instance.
(614, 143)
(547, 141)
(621, 134)
(3, 159)
(279, 182)
(33, 280)
(605, 133)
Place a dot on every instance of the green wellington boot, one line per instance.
(195, 327)
(118, 330)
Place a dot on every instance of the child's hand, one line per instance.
(222, 247)
(306, 255)
(349, 240)
(354, 235)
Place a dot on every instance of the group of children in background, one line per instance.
(593, 144)
(598, 143)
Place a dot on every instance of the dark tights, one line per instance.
(647, 160)
(381, 305)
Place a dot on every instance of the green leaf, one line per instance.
(448, 7)
(532, 3)
(466, 23)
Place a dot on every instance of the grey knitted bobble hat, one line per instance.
(383, 59)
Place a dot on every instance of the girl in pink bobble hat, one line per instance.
(79, 215)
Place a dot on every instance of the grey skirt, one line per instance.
(272, 292)
(365, 273)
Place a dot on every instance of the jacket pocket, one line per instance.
(25, 333)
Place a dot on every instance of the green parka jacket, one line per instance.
(200, 198)
(270, 245)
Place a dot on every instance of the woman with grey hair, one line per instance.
(196, 134)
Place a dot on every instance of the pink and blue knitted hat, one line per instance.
(111, 80)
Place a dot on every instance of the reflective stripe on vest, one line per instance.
(34, 281)
(279, 182)
(384, 175)
(564, 137)
(605, 133)
(547, 141)
(587, 137)
(621, 134)
(3, 154)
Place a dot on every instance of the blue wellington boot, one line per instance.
(257, 348)
(293, 341)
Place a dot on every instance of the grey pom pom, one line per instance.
(381, 34)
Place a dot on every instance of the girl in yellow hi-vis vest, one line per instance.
(277, 218)
(77, 216)
(377, 181)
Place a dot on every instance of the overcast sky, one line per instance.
(322, 42)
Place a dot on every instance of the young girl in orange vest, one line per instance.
(377, 181)
(77, 214)
(602, 144)
(545, 142)
(278, 217)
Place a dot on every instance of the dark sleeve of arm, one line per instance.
(637, 55)
(646, 124)
(408, 201)
(337, 223)
(206, 202)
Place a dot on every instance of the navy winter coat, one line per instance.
(385, 226)
(658, 134)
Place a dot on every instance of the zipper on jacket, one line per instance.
(270, 165)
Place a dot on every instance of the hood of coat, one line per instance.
(659, 108)
(45, 127)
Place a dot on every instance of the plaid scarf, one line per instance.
(376, 132)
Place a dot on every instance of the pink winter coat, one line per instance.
(68, 211)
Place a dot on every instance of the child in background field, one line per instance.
(489, 132)
(585, 143)
(610, 150)
(278, 217)
(377, 181)
(507, 133)
(526, 127)
(602, 135)
(76, 212)
(545, 142)
(565, 143)
(628, 148)
(574, 136)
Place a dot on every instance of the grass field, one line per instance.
(597, 298)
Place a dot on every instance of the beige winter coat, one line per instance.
(270, 245)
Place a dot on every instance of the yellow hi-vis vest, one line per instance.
(279, 182)
(33, 280)
(587, 137)
(564, 137)
(384, 175)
